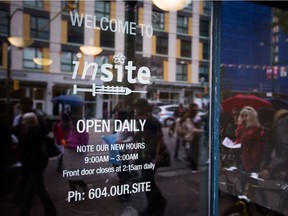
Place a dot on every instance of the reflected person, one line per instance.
(34, 162)
(153, 138)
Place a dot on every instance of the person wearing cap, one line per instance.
(152, 136)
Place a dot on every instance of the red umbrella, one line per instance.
(242, 100)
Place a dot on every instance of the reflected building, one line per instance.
(177, 53)
(253, 48)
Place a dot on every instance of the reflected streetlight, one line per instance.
(43, 61)
(20, 42)
(171, 5)
(91, 50)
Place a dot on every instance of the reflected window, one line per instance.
(206, 51)
(189, 7)
(67, 59)
(162, 45)
(204, 28)
(4, 22)
(107, 39)
(71, 5)
(181, 72)
(207, 7)
(182, 24)
(100, 60)
(102, 9)
(75, 34)
(186, 48)
(34, 3)
(39, 27)
(28, 55)
(139, 42)
(204, 72)
(158, 20)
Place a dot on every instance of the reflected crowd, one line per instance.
(253, 156)
(25, 135)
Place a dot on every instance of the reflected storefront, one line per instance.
(253, 97)
(87, 76)
(96, 78)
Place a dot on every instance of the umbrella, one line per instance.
(241, 100)
(278, 103)
(68, 99)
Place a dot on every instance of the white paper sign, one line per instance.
(230, 144)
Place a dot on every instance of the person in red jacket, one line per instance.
(61, 132)
(248, 133)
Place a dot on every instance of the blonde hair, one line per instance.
(30, 119)
(252, 117)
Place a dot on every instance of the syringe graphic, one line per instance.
(117, 90)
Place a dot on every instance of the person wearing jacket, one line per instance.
(74, 160)
(191, 136)
(248, 133)
(61, 131)
(34, 162)
(278, 164)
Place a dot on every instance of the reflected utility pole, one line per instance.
(130, 44)
(8, 78)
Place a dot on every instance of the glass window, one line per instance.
(102, 9)
(181, 72)
(206, 50)
(34, 3)
(100, 60)
(146, 53)
(204, 72)
(139, 42)
(28, 55)
(162, 45)
(186, 48)
(70, 5)
(253, 64)
(207, 7)
(4, 22)
(75, 34)
(189, 7)
(182, 24)
(204, 28)
(158, 20)
(67, 59)
(40, 27)
(107, 39)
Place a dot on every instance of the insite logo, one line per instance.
(107, 75)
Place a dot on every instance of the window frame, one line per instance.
(161, 45)
(182, 74)
(102, 13)
(68, 63)
(182, 28)
(37, 54)
(37, 31)
(160, 26)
